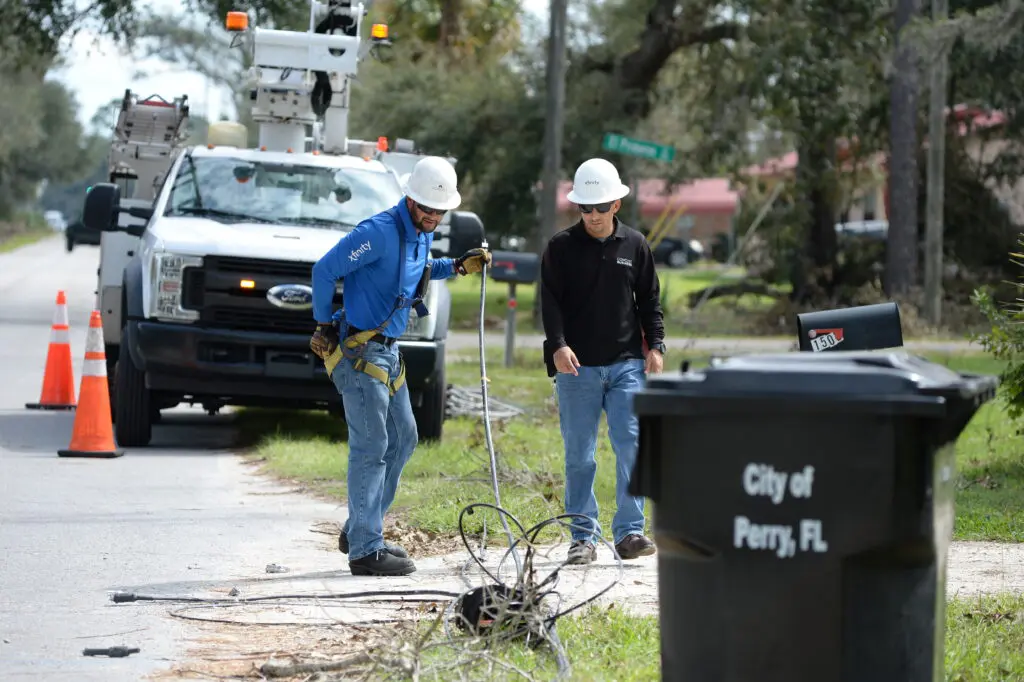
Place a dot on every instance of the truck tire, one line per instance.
(430, 414)
(133, 426)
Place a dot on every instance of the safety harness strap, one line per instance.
(353, 347)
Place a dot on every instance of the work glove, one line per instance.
(325, 340)
(472, 261)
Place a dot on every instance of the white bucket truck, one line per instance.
(208, 300)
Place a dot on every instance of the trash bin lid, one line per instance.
(872, 380)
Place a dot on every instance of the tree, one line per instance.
(902, 253)
(29, 30)
(41, 138)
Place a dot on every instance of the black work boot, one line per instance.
(382, 562)
(397, 550)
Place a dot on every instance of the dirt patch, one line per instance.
(221, 651)
(421, 543)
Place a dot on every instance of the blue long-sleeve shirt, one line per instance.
(367, 260)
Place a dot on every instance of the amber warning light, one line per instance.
(248, 284)
(237, 21)
(379, 31)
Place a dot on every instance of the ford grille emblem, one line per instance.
(291, 296)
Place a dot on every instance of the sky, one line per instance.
(98, 72)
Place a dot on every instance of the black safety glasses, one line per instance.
(431, 211)
(601, 208)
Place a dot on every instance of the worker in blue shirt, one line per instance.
(386, 265)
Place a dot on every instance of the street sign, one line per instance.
(613, 142)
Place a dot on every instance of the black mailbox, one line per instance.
(514, 266)
(868, 327)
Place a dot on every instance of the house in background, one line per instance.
(709, 207)
(866, 181)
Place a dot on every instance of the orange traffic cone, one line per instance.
(58, 378)
(93, 434)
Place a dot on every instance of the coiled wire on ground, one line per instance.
(466, 402)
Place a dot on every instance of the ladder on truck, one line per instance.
(147, 136)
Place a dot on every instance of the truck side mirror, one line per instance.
(102, 204)
(144, 212)
(466, 231)
(135, 229)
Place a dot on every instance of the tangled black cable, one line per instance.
(519, 611)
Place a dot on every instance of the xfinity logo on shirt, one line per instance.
(356, 253)
(624, 261)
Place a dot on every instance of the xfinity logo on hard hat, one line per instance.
(291, 296)
(356, 253)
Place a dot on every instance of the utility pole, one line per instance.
(554, 118)
(933, 266)
(902, 253)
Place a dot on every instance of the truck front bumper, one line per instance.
(252, 368)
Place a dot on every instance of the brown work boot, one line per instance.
(633, 546)
(581, 552)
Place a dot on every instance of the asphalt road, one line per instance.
(182, 515)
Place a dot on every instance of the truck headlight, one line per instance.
(166, 275)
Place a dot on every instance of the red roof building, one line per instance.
(708, 207)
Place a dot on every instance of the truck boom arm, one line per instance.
(299, 78)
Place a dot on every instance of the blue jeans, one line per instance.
(381, 439)
(580, 402)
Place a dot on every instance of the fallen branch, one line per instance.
(275, 669)
(738, 289)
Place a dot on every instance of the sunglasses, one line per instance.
(601, 208)
(431, 211)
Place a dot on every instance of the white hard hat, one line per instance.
(596, 182)
(433, 184)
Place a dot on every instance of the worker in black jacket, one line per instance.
(603, 328)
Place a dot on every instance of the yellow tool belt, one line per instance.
(353, 348)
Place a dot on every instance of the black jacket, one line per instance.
(599, 298)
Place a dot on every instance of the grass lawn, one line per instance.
(983, 636)
(984, 639)
(715, 318)
(22, 231)
(310, 447)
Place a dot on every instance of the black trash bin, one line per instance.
(802, 505)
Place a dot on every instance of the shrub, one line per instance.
(1005, 340)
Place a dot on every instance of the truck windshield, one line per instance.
(238, 190)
